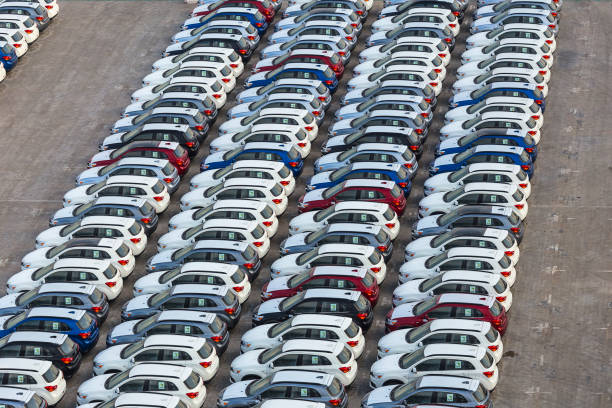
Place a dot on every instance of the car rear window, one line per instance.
(395, 191)
(368, 280)
(192, 381)
(51, 374)
(67, 347)
(508, 242)
(206, 350)
(345, 355)
(361, 304)
(85, 322)
(157, 187)
(382, 236)
(352, 330)
(407, 155)
(238, 276)
(496, 308)
(123, 250)
(487, 360)
(518, 195)
(34, 402)
(335, 387)
(276, 190)
(135, 228)
(216, 326)
(492, 335)
(514, 218)
(229, 298)
(480, 394)
(284, 172)
(267, 212)
(180, 151)
(504, 262)
(389, 214)
(146, 208)
(500, 286)
(248, 253)
(257, 232)
(110, 272)
(374, 258)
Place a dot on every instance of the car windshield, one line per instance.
(258, 386)
(131, 349)
(424, 306)
(458, 175)
(297, 280)
(513, 218)
(93, 189)
(106, 169)
(346, 154)
(429, 284)
(477, 106)
(441, 239)
(402, 392)
(418, 333)
(524, 157)
(116, 379)
(323, 214)
(290, 302)
(26, 297)
(270, 354)
(159, 298)
(332, 191)
(409, 360)
(496, 308)
(69, 229)
(453, 195)
(464, 155)
(486, 62)
(238, 276)
(436, 260)
(279, 328)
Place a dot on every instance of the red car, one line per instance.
(323, 277)
(329, 58)
(263, 6)
(171, 151)
(448, 306)
(376, 191)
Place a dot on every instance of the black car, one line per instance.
(55, 347)
(335, 302)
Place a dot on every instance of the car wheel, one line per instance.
(392, 382)
(112, 371)
(250, 377)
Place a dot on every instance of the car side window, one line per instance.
(174, 303)
(464, 222)
(33, 325)
(306, 307)
(18, 379)
(160, 385)
(467, 313)
(469, 199)
(200, 302)
(133, 386)
(450, 398)
(110, 191)
(454, 364)
(478, 265)
(296, 334)
(458, 338)
(421, 397)
(275, 392)
(432, 364)
(341, 284)
(163, 329)
(50, 325)
(323, 334)
(175, 355)
(332, 306)
(440, 312)
(198, 257)
(61, 276)
(436, 338)
(12, 350)
(303, 392)
(473, 289)
(290, 360)
(314, 360)
(147, 355)
(347, 195)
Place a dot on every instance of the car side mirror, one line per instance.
(420, 344)
(460, 182)
(308, 265)
(455, 202)
(413, 370)
(132, 360)
(430, 293)
(116, 391)
(271, 365)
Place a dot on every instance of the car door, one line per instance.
(163, 328)
(276, 392)
(466, 312)
(148, 355)
(174, 355)
(333, 306)
(284, 362)
(370, 195)
(303, 392)
(457, 366)
(12, 350)
(133, 385)
(18, 380)
(315, 362)
(477, 265)
(173, 303)
(429, 366)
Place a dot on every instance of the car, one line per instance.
(85, 248)
(62, 294)
(147, 188)
(459, 281)
(462, 360)
(335, 44)
(461, 258)
(502, 194)
(23, 23)
(383, 117)
(336, 302)
(259, 169)
(284, 153)
(414, 29)
(128, 399)
(194, 85)
(492, 136)
(297, 385)
(325, 356)
(516, 31)
(304, 56)
(368, 4)
(171, 151)
(502, 75)
(15, 38)
(393, 172)
(494, 104)
(305, 326)
(491, 10)
(316, 27)
(393, 7)
(99, 273)
(331, 255)
(35, 375)
(375, 134)
(448, 305)
(415, 73)
(8, 55)
(137, 208)
(516, 15)
(369, 152)
(355, 190)
(404, 103)
(280, 100)
(417, 88)
(231, 252)
(133, 166)
(180, 133)
(193, 352)
(50, 5)
(35, 11)
(194, 120)
(251, 14)
(21, 398)
(249, 210)
(279, 403)
(291, 135)
(127, 229)
(402, 58)
(425, 46)
(480, 154)
(327, 277)
(509, 45)
(348, 211)
(175, 322)
(430, 389)
(212, 54)
(201, 273)
(449, 331)
(289, 85)
(282, 116)
(233, 42)
(297, 9)
(506, 60)
(175, 379)
(321, 14)
(490, 238)
(267, 191)
(79, 325)
(511, 89)
(418, 14)
(244, 28)
(205, 69)
(265, 7)
(53, 347)
(219, 300)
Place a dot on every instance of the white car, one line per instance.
(230, 209)
(99, 273)
(203, 273)
(424, 14)
(501, 194)
(362, 212)
(271, 133)
(475, 259)
(199, 85)
(132, 399)
(193, 352)
(367, 3)
(39, 376)
(506, 59)
(331, 254)
(16, 38)
(23, 23)
(454, 331)
(158, 378)
(510, 74)
(481, 283)
(127, 229)
(232, 230)
(149, 188)
(258, 169)
(215, 26)
(515, 45)
(305, 326)
(51, 6)
(204, 69)
(112, 249)
(490, 238)
(398, 72)
(267, 191)
(403, 58)
(298, 117)
(427, 46)
(2, 72)
(212, 54)
(523, 122)
(326, 356)
(462, 360)
(494, 104)
(516, 31)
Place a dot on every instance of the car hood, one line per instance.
(280, 283)
(469, 67)
(192, 20)
(105, 155)
(314, 195)
(65, 212)
(404, 310)
(416, 264)
(192, 195)
(432, 199)
(52, 233)
(295, 240)
(171, 237)
(147, 281)
(129, 121)
(461, 96)
(327, 158)
(419, 244)
(345, 110)
(247, 93)
(110, 354)
(284, 262)
(123, 329)
(76, 193)
(215, 157)
(238, 110)
(24, 276)
(478, 38)
(94, 384)
(467, 81)
(302, 219)
(259, 76)
(173, 48)
(143, 93)
(458, 112)
(247, 360)
(341, 124)
(269, 306)
(354, 94)
(181, 34)
(266, 62)
(9, 300)
(449, 143)
(427, 222)
(443, 160)
(115, 138)
(182, 217)
(393, 339)
(386, 363)
(377, 36)
(380, 395)
(237, 390)
(482, 21)
(437, 180)
(319, 178)
(136, 106)
(257, 333)
(35, 256)
(407, 288)
(138, 302)
(230, 124)
(271, 48)
(284, 33)
(456, 126)
(222, 142)
(160, 257)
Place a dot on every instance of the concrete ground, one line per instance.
(61, 99)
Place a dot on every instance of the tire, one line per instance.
(392, 382)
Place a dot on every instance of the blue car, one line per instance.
(252, 15)
(79, 325)
(363, 170)
(511, 89)
(503, 137)
(281, 152)
(321, 72)
(483, 154)
(8, 55)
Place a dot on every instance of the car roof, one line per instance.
(56, 312)
(325, 22)
(448, 381)
(160, 370)
(459, 324)
(369, 183)
(471, 276)
(332, 294)
(324, 53)
(29, 364)
(209, 267)
(258, 164)
(499, 148)
(297, 82)
(349, 249)
(475, 251)
(82, 263)
(230, 224)
(315, 319)
(221, 244)
(454, 349)
(394, 167)
(339, 270)
(466, 298)
(289, 95)
(107, 220)
(285, 147)
(173, 340)
(37, 337)
(483, 209)
(306, 345)
(119, 200)
(282, 111)
(283, 403)
(240, 204)
(146, 399)
(304, 377)
(398, 83)
(187, 315)
(498, 187)
(183, 95)
(354, 227)
(250, 182)
(22, 394)
(360, 205)
(199, 289)
(147, 181)
(477, 232)
(386, 129)
(303, 65)
(170, 126)
(502, 167)
(67, 287)
(393, 148)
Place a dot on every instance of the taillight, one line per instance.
(505, 274)
(309, 128)
(362, 316)
(248, 265)
(550, 25)
(6, 58)
(493, 348)
(353, 343)
(535, 117)
(216, 339)
(549, 41)
(110, 284)
(193, 395)
(41, 18)
(442, 55)
(217, 96)
(238, 288)
(344, 369)
(390, 225)
(425, 114)
(456, 13)
(525, 167)
(438, 70)
(496, 322)
(375, 269)
(123, 262)
(542, 72)
(354, 25)
(335, 402)
(208, 112)
(489, 374)
(243, 52)
(302, 144)
(205, 364)
(433, 83)
(453, 25)
(515, 230)
(29, 31)
(341, 53)
(428, 100)
(251, 37)
(284, 182)
(414, 147)
(509, 253)
(359, 12)
(293, 163)
(519, 206)
(277, 200)
(538, 101)
(322, 98)
(523, 185)
(158, 198)
(226, 80)
(97, 309)
(349, 38)
(316, 113)
(258, 24)
(381, 248)
(84, 335)
(230, 310)
(448, 40)
(402, 184)
(51, 388)
(419, 131)
(199, 128)
(234, 65)
(48, 7)
(258, 243)
(17, 45)
(191, 144)
(408, 165)
(268, 223)
(500, 298)
(540, 87)
(546, 56)
(135, 240)
(66, 360)
(179, 162)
